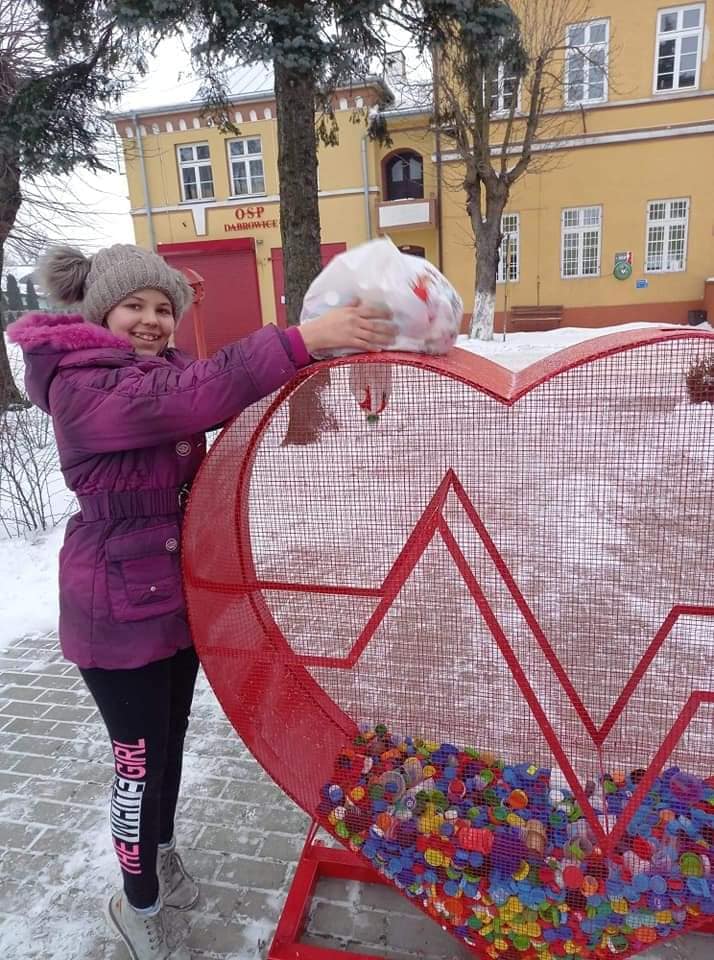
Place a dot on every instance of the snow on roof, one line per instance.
(247, 78)
(254, 81)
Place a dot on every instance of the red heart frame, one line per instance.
(277, 685)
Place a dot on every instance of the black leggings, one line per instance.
(146, 712)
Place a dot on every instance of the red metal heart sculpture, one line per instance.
(474, 640)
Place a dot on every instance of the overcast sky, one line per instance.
(100, 203)
(103, 197)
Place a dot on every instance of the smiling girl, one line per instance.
(129, 414)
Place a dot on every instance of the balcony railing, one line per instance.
(396, 214)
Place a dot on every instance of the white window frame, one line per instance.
(245, 159)
(668, 223)
(678, 36)
(589, 68)
(501, 110)
(580, 229)
(515, 233)
(196, 164)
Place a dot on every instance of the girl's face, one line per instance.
(145, 319)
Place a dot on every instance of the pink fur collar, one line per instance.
(62, 332)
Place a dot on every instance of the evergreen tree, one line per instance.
(312, 46)
(15, 302)
(31, 301)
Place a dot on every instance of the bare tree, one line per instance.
(498, 83)
(32, 493)
(50, 116)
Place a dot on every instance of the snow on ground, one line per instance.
(28, 566)
(28, 573)
(520, 350)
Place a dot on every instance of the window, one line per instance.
(581, 242)
(667, 223)
(246, 161)
(196, 174)
(405, 176)
(504, 90)
(679, 48)
(509, 250)
(587, 61)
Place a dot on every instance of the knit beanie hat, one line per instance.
(96, 284)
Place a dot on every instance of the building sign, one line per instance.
(251, 218)
(642, 284)
(623, 265)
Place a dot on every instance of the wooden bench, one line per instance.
(534, 318)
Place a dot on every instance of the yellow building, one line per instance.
(627, 180)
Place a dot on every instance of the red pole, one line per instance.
(196, 283)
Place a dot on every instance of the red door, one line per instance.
(327, 252)
(231, 308)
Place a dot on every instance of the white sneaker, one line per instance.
(177, 888)
(145, 936)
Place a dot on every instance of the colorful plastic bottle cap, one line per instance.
(691, 865)
(642, 848)
(658, 884)
(641, 882)
(435, 858)
(457, 789)
(590, 886)
(573, 877)
(518, 800)
(698, 886)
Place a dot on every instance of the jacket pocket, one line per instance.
(144, 573)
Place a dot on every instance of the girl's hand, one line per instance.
(354, 327)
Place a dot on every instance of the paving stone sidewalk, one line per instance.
(239, 834)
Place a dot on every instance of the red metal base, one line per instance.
(316, 861)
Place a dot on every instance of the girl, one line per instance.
(129, 414)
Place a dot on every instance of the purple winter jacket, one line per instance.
(129, 432)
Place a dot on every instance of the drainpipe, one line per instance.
(145, 182)
(437, 146)
(365, 187)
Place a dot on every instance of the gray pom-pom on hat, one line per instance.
(96, 284)
(62, 272)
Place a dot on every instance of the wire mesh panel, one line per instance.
(474, 639)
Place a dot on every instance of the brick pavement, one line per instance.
(240, 837)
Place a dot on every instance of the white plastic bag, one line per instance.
(424, 306)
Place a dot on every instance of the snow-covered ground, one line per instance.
(28, 573)
(520, 350)
(28, 565)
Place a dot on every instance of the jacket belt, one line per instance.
(112, 505)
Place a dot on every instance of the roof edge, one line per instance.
(251, 97)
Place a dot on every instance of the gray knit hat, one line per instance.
(98, 283)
